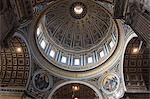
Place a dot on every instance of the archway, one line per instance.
(75, 90)
(136, 66)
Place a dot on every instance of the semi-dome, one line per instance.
(76, 35)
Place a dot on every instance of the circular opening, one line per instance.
(75, 91)
(78, 9)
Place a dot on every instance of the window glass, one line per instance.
(111, 44)
(63, 59)
(52, 53)
(102, 54)
(38, 31)
(76, 62)
(90, 59)
(43, 44)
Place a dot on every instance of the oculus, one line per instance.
(78, 10)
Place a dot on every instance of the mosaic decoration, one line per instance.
(14, 64)
(109, 83)
(38, 8)
(39, 76)
(42, 81)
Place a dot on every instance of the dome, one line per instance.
(72, 36)
(74, 26)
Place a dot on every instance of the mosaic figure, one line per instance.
(41, 81)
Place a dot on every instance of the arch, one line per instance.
(79, 82)
(132, 35)
(20, 35)
(18, 63)
(136, 66)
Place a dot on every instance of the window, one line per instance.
(52, 53)
(111, 44)
(76, 62)
(38, 31)
(102, 54)
(43, 44)
(63, 59)
(90, 59)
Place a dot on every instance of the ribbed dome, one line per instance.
(76, 35)
(74, 31)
